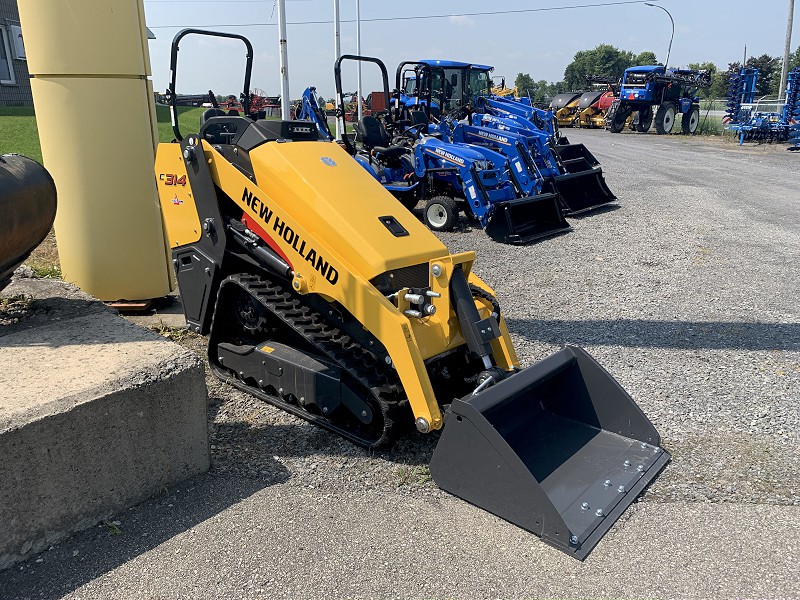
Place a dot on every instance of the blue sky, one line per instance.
(538, 43)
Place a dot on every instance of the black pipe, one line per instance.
(27, 210)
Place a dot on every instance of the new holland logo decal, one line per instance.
(449, 156)
(283, 231)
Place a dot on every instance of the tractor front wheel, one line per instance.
(665, 118)
(618, 118)
(441, 213)
(690, 120)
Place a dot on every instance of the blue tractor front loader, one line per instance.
(448, 177)
(571, 170)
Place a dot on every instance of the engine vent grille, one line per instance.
(415, 276)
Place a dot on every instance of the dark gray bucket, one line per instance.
(525, 220)
(559, 449)
(582, 191)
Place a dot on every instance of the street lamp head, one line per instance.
(672, 21)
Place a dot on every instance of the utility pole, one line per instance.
(337, 51)
(286, 99)
(358, 51)
(786, 51)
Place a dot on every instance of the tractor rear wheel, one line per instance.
(665, 118)
(690, 120)
(645, 119)
(441, 213)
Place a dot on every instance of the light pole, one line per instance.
(286, 99)
(666, 62)
(337, 52)
(358, 51)
(785, 68)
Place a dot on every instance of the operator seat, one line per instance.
(218, 127)
(373, 135)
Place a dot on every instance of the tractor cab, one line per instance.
(458, 83)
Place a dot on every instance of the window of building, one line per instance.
(6, 68)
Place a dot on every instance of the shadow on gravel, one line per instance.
(596, 212)
(102, 548)
(247, 448)
(708, 335)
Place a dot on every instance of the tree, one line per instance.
(525, 84)
(605, 61)
(794, 58)
(769, 74)
(645, 58)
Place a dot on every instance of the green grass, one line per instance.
(18, 133)
(188, 121)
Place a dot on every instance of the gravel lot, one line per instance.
(686, 291)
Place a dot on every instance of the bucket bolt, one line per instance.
(585, 506)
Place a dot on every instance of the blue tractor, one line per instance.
(650, 89)
(410, 93)
(463, 90)
(448, 177)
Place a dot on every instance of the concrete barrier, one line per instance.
(96, 415)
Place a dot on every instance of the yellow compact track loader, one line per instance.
(323, 295)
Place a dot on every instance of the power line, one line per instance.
(218, 1)
(403, 18)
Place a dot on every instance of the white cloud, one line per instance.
(462, 21)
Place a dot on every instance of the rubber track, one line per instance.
(336, 346)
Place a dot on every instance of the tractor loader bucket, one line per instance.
(582, 191)
(576, 157)
(525, 220)
(559, 449)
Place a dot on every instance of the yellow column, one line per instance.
(89, 65)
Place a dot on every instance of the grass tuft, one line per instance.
(176, 334)
(417, 475)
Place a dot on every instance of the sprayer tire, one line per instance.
(690, 120)
(617, 120)
(645, 120)
(441, 213)
(665, 118)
